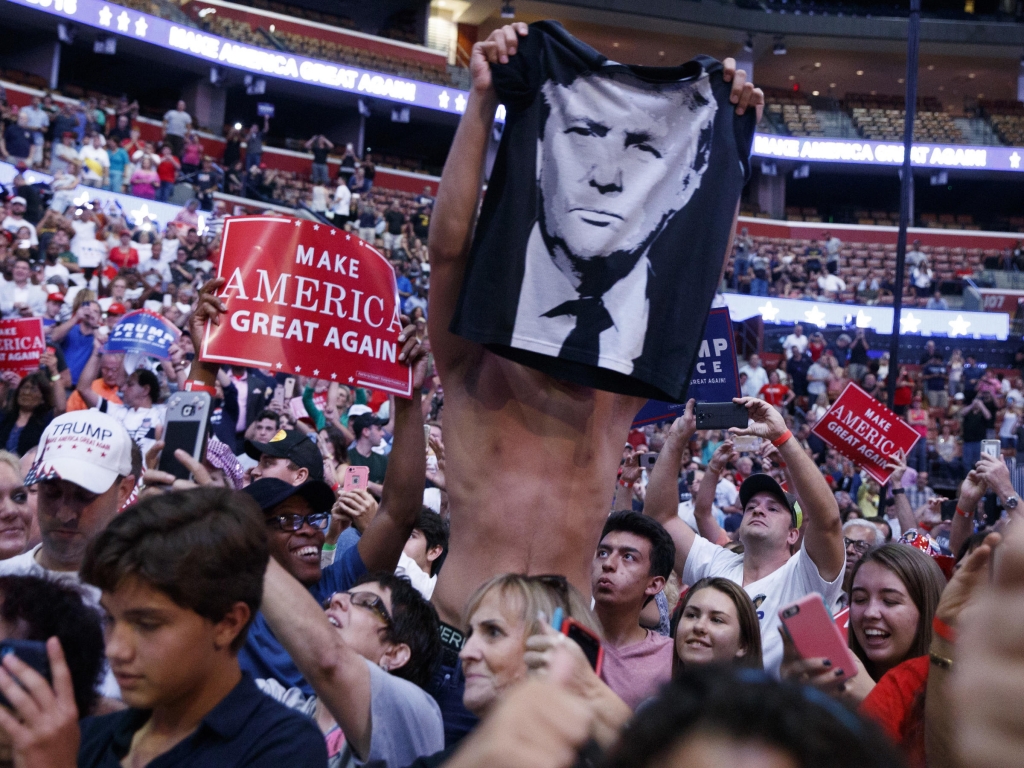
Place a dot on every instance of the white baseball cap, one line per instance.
(87, 448)
(358, 410)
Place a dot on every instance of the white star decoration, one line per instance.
(460, 103)
(316, 371)
(298, 222)
(316, 227)
(142, 213)
(123, 21)
(105, 16)
(298, 369)
(863, 321)
(959, 326)
(279, 366)
(768, 312)
(82, 199)
(351, 379)
(909, 323)
(816, 316)
(443, 99)
(334, 375)
(1015, 160)
(140, 27)
(332, 231)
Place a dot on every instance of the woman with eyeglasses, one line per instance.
(367, 653)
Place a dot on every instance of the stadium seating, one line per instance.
(1007, 119)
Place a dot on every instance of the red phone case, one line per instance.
(573, 624)
(816, 635)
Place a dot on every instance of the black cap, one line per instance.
(362, 421)
(293, 445)
(762, 482)
(270, 491)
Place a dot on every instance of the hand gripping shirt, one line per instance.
(607, 215)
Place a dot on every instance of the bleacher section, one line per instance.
(1007, 119)
(791, 113)
(881, 118)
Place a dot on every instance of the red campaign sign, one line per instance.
(22, 343)
(865, 431)
(310, 299)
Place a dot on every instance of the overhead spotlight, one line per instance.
(508, 11)
(748, 46)
(779, 49)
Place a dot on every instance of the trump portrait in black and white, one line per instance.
(618, 157)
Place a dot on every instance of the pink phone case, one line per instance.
(356, 478)
(816, 635)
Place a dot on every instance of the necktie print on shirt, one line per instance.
(592, 319)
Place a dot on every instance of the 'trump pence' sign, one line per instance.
(310, 299)
(865, 431)
(715, 378)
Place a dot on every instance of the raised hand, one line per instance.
(765, 421)
(744, 95)
(496, 49)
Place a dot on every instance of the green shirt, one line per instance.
(378, 464)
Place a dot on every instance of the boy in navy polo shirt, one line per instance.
(181, 577)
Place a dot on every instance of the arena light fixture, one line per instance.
(508, 11)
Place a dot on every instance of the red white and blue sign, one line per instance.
(715, 377)
(143, 332)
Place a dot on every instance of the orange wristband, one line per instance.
(943, 630)
(777, 442)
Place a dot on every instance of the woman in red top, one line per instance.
(894, 592)
(124, 256)
(775, 392)
(816, 346)
(167, 170)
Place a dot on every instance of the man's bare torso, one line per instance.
(530, 465)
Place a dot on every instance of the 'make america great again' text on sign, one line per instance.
(310, 299)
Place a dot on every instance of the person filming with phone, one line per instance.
(769, 569)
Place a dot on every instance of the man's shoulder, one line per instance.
(22, 565)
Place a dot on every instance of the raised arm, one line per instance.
(458, 195)
(823, 527)
(707, 526)
(402, 494)
(89, 374)
(662, 502)
(900, 502)
(338, 674)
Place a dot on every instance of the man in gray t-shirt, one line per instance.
(177, 124)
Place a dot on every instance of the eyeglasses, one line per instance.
(371, 602)
(859, 546)
(293, 522)
(554, 581)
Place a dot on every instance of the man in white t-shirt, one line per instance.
(771, 572)
(757, 376)
(15, 220)
(795, 339)
(95, 162)
(137, 413)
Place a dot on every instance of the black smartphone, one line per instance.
(947, 509)
(721, 415)
(32, 652)
(647, 460)
(187, 417)
(587, 640)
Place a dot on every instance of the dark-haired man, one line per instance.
(181, 577)
(366, 428)
(424, 552)
(771, 573)
(138, 412)
(631, 565)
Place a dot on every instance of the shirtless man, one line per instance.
(530, 461)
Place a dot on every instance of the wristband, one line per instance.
(962, 513)
(197, 386)
(943, 630)
(55, 377)
(329, 547)
(777, 442)
(625, 485)
(898, 491)
(336, 487)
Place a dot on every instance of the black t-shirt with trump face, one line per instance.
(607, 215)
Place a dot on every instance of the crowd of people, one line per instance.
(515, 585)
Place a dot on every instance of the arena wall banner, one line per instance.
(22, 343)
(715, 377)
(310, 299)
(865, 431)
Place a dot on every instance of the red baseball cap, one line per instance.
(55, 296)
(116, 309)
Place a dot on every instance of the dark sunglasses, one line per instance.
(293, 522)
(368, 600)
